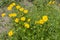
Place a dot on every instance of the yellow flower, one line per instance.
(23, 18)
(25, 11)
(3, 14)
(16, 20)
(21, 9)
(45, 18)
(13, 4)
(41, 21)
(17, 7)
(10, 33)
(9, 8)
(28, 20)
(12, 15)
(26, 25)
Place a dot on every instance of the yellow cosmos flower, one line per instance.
(12, 15)
(21, 9)
(10, 33)
(17, 7)
(25, 11)
(16, 20)
(23, 19)
(26, 25)
(3, 14)
(28, 20)
(9, 8)
(41, 21)
(45, 18)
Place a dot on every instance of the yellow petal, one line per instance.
(17, 7)
(45, 18)
(23, 18)
(25, 11)
(21, 9)
(9, 8)
(26, 25)
(10, 33)
(16, 20)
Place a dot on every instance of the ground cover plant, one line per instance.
(30, 20)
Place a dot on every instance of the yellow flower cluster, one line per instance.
(43, 20)
(17, 7)
(12, 15)
(21, 9)
(26, 25)
(24, 10)
(22, 19)
(10, 33)
(3, 14)
(51, 2)
(11, 6)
